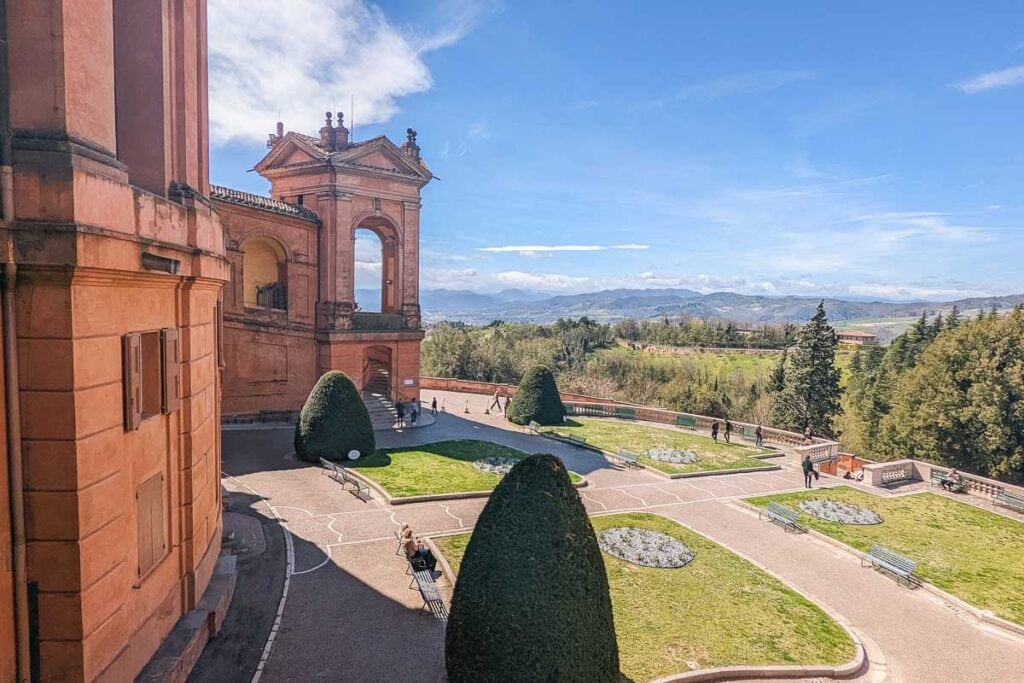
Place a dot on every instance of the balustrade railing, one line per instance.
(272, 295)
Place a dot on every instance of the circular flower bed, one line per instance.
(495, 464)
(645, 547)
(672, 455)
(837, 511)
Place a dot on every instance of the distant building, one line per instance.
(857, 337)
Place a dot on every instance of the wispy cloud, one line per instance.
(993, 80)
(534, 249)
(291, 61)
(745, 83)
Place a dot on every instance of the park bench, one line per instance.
(432, 602)
(627, 458)
(625, 413)
(338, 474)
(938, 478)
(533, 427)
(899, 566)
(748, 433)
(577, 441)
(780, 514)
(1013, 501)
(688, 421)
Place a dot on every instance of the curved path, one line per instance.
(349, 613)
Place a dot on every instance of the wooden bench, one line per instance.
(533, 427)
(432, 602)
(688, 421)
(901, 567)
(780, 514)
(939, 478)
(625, 413)
(1013, 501)
(630, 460)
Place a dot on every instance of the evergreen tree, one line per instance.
(333, 421)
(537, 399)
(777, 382)
(954, 318)
(532, 601)
(812, 392)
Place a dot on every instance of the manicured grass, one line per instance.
(611, 435)
(971, 553)
(436, 468)
(719, 610)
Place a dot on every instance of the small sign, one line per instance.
(409, 382)
(353, 454)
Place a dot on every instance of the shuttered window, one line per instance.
(150, 375)
(151, 523)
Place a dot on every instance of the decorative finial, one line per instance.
(341, 119)
(410, 135)
(329, 115)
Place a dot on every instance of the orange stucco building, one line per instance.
(114, 263)
(290, 310)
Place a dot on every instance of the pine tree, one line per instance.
(954, 318)
(812, 392)
(777, 381)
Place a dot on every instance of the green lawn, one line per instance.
(436, 468)
(974, 554)
(611, 435)
(719, 610)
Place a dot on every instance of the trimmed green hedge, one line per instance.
(333, 421)
(532, 600)
(537, 399)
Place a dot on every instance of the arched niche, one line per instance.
(264, 274)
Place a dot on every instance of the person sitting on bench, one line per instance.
(952, 481)
(420, 554)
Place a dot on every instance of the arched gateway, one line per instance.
(281, 334)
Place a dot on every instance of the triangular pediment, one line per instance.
(291, 150)
(381, 154)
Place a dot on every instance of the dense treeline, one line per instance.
(945, 391)
(688, 331)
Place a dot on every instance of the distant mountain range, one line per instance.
(614, 305)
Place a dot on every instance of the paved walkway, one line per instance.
(349, 613)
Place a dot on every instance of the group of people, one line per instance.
(953, 481)
(418, 554)
(496, 401)
(412, 409)
(727, 433)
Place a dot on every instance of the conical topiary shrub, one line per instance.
(531, 602)
(333, 421)
(537, 399)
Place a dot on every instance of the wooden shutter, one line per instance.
(169, 398)
(131, 346)
(149, 508)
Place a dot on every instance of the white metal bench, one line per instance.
(780, 514)
(533, 427)
(338, 474)
(1013, 501)
(627, 458)
(901, 567)
(432, 602)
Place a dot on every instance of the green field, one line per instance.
(710, 363)
(436, 468)
(610, 435)
(719, 610)
(971, 553)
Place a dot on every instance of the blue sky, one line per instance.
(867, 149)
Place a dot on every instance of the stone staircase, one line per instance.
(375, 394)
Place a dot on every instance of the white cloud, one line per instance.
(534, 249)
(994, 80)
(479, 131)
(542, 281)
(292, 60)
(744, 83)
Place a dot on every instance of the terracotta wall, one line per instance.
(7, 651)
(267, 369)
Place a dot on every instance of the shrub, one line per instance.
(536, 399)
(531, 602)
(333, 421)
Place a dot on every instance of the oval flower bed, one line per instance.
(495, 464)
(672, 455)
(645, 547)
(838, 511)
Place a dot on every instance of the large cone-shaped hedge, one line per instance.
(537, 399)
(531, 602)
(333, 421)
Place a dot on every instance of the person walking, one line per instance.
(808, 468)
(414, 411)
(728, 430)
(808, 435)
(496, 401)
(759, 437)
(400, 410)
(433, 406)
(714, 430)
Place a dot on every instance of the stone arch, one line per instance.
(390, 237)
(378, 375)
(264, 272)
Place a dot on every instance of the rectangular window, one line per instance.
(151, 525)
(151, 375)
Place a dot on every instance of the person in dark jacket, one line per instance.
(714, 430)
(400, 409)
(808, 468)
(728, 430)
(758, 436)
(433, 406)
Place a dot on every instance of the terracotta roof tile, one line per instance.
(226, 194)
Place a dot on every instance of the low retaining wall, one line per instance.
(880, 474)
